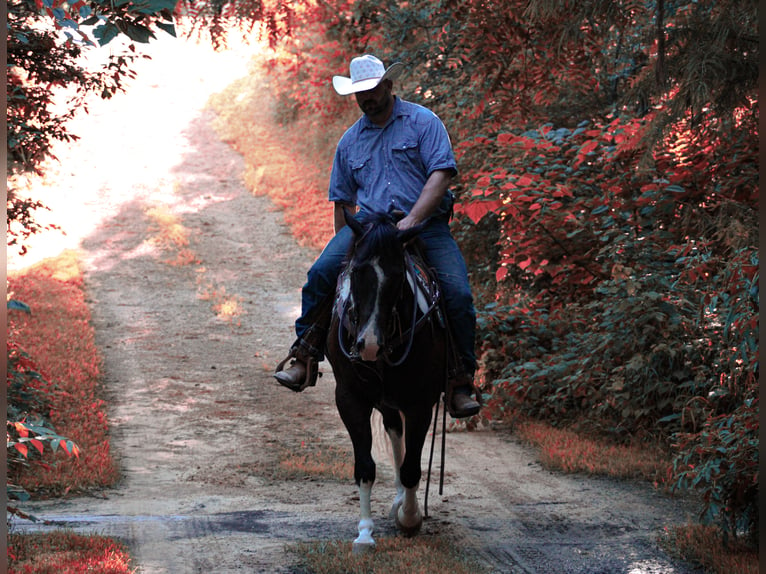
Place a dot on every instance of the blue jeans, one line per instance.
(443, 255)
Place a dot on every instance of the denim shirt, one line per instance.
(383, 169)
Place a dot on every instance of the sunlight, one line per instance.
(129, 143)
(650, 567)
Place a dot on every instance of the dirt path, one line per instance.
(198, 421)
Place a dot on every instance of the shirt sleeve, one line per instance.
(435, 146)
(342, 184)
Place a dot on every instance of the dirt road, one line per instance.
(198, 422)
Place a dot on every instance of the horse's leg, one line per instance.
(392, 422)
(409, 519)
(356, 417)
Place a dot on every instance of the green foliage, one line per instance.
(607, 208)
(721, 461)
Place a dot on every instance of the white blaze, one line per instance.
(368, 334)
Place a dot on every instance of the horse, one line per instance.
(387, 345)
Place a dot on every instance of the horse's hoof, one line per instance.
(362, 547)
(411, 530)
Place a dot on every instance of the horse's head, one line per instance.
(374, 282)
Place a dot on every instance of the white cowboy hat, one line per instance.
(366, 73)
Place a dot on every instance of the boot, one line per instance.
(302, 372)
(459, 402)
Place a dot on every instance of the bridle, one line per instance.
(406, 337)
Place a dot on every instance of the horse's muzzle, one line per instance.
(367, 349)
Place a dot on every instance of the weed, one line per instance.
(274, 169)
(58, 335)
(317, 461)
(703, 545)
(568, 451)
(64, 552)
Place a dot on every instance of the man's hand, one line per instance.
(430, 197)
(406, 222)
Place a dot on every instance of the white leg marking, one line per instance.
(364, 542)
(397, 449)
(409, 518)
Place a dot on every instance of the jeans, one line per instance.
(443, 255)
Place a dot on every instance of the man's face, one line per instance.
(375, 103)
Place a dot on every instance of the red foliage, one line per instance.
(59, 336)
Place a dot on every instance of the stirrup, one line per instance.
(312, 370)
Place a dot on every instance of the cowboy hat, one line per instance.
(366, 72)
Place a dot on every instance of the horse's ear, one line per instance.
(351, 221)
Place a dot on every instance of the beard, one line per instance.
(373, 107)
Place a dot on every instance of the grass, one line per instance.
(419, 555)
(315, 460)
(568, 451)
(290, 163)
(66, 553)
(58, 335)
(168, 233)
(703, 545)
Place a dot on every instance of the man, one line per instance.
(396, 157)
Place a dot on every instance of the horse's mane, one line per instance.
(380, 237)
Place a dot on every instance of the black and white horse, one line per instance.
(388, 349)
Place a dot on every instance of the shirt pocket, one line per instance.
(405, 151)
(360, 166)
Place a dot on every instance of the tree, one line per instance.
(608, 154)
(44, 41)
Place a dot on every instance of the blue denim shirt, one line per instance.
(382, 169)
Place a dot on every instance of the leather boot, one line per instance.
(459, 402)
(301, 373)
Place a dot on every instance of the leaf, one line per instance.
(478, 209)
(600, 209)
(501, 273)
(37, 444)
(587, 147)
(155, 6)
(22, 448)
(15, 305)
(137, 32)
(106, 33)
(169, 28)
(524, 180)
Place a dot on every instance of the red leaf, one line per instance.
(524, 180)
(21, 429)
(37, 444)
(22, 448)
(588, 146)
(500, 273)
(478, 209)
